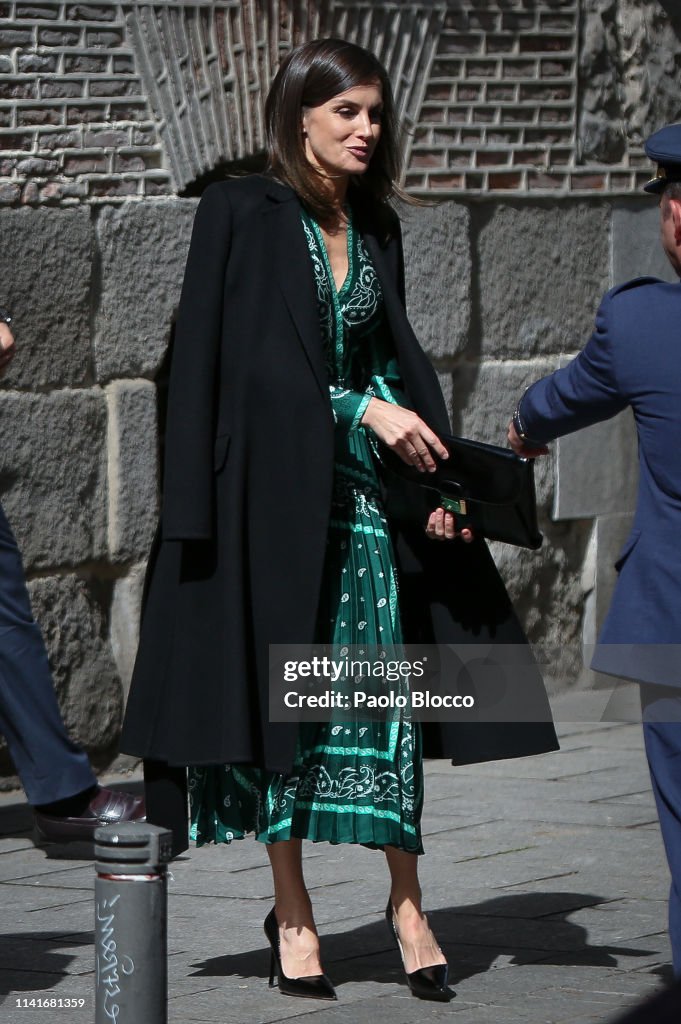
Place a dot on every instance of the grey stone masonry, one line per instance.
(45, 270)
(72, 611)
(554, 265)
(440, 304)
(499, 294)
(589, 484)
(635, 242)
(141, 252)
(132, 477)
(53, 475)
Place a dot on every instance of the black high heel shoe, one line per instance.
(316, 986)
(425, 982)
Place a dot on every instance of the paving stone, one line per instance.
(605, 736)
(620, 919)
(26, 897)
(555, 765)
(604, 784)
(540, 978)
(570, 929)
(566, 729)
(37, 869)
(48, 295)
(14, 845)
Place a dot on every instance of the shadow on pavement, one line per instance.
(31, 963)
(532, 928)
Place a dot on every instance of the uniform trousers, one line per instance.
(50, 765)
(661, 708)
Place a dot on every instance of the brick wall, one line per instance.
(500, 111)
(116, 101)
(75, 124)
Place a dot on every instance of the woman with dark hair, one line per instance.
(293, 354)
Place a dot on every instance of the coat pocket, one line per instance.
(629, 545)
(220, 449)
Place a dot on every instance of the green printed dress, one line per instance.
(351, 782)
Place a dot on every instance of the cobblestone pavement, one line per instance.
(544, 879)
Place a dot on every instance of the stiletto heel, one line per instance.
(426, 982)
(316, 986)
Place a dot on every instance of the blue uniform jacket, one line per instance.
(633, 358)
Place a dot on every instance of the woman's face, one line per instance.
(341, 135)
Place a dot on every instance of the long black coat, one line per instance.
(246, 501)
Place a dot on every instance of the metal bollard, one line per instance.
(131, 970)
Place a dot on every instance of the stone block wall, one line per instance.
(93, 291)
(526, 122)
(500, 293)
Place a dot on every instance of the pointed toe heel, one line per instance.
(426, 982)
(316, 986)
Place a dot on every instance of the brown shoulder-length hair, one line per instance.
(308, 76)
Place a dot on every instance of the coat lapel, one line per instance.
(295, 275)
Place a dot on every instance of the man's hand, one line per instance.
(519, 447)
(441, 525)
(7, 347)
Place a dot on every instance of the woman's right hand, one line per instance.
(404, 432)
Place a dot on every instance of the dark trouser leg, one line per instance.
(51, 767)
(661, 707)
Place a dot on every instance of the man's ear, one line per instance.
(675, 208)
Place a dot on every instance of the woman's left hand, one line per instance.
(441, 525)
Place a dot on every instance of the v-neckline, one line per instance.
(337, 292)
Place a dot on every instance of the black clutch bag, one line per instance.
(488, 488)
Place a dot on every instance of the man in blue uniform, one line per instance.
(633, 358)
(55, 773)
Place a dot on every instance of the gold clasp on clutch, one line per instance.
(456, 505)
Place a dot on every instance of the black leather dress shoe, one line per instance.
(107, 807)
